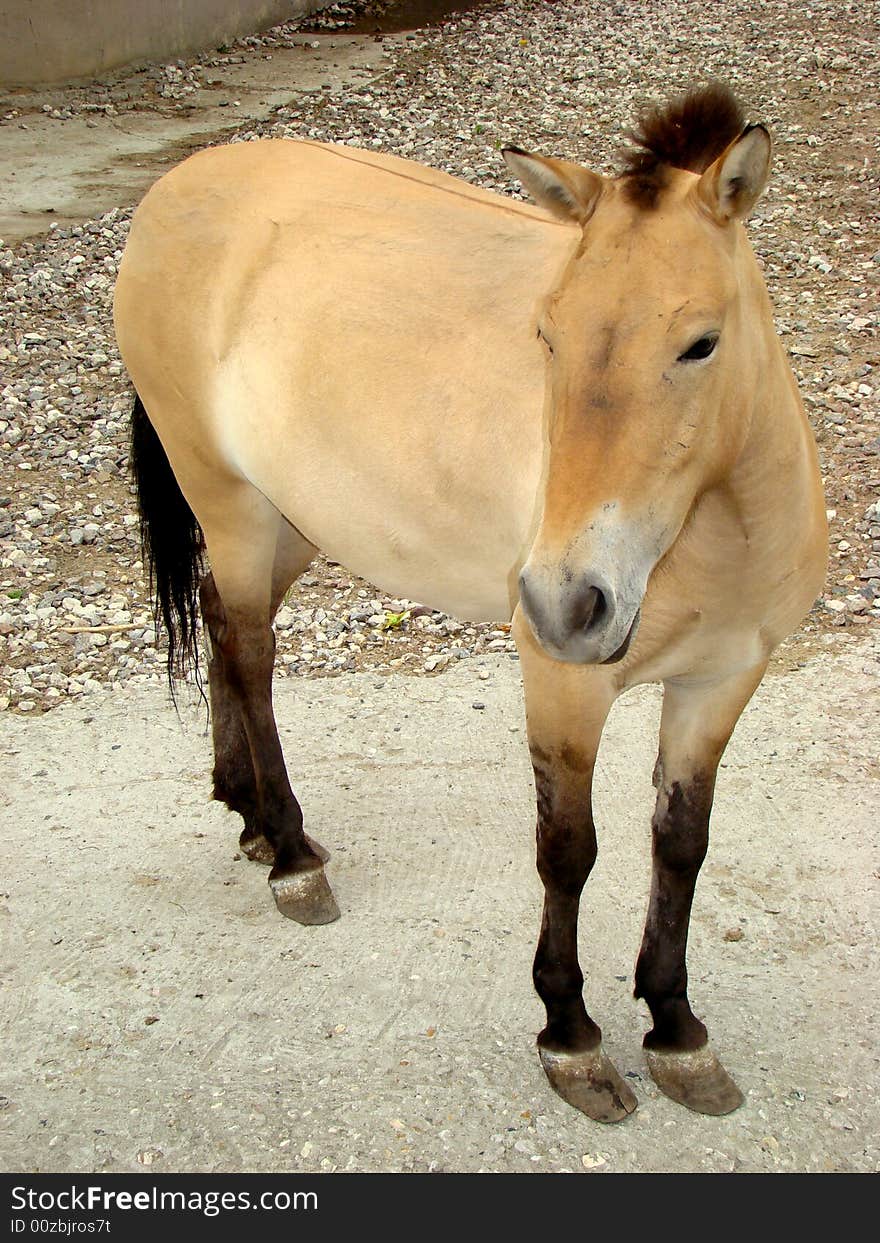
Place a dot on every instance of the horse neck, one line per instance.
(777, 469)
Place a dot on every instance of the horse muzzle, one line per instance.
(581, 619)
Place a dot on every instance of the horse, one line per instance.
(574, 415)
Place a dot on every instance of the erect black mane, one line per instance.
(689, 133)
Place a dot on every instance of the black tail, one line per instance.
(171, 546)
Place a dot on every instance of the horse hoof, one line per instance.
(590, 1083)
(259, 850)
(696, 1079)
(305, 896)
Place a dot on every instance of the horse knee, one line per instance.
(567, 851)
(680, 827)
(566, 836)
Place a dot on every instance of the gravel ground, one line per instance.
(564, 78)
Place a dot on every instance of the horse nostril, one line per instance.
(589, 609)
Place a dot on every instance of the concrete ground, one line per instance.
(158, 1012)
(69, 170)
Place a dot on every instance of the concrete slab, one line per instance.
(68, 171)
(158, 1013)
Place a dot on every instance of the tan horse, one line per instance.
(577, 415)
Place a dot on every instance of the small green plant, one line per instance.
(393, 621)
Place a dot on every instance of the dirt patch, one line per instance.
(75, 152)
(163, 1013)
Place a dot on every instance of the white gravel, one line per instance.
(564, 78)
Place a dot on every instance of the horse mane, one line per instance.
(688, 133)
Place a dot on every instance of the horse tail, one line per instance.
(171, 546)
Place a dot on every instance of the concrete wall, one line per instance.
(45, 41)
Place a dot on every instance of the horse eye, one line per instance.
(700, 349)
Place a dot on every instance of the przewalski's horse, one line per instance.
(578, 415)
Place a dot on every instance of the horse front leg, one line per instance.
(566, 708)
(698, 719)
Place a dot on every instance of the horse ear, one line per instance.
(569, 190)
(730, 187)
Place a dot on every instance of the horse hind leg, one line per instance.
(255, 555)
(234, 780)
(696, 724)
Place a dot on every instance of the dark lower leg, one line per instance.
(680, 833)
(233, 776)
(234, 781)
(566, 841)
(698, 718)
(250, 774)
(247, 660)
(571, 1043)
(297, 878)
(559, 980)
(679, 1058)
